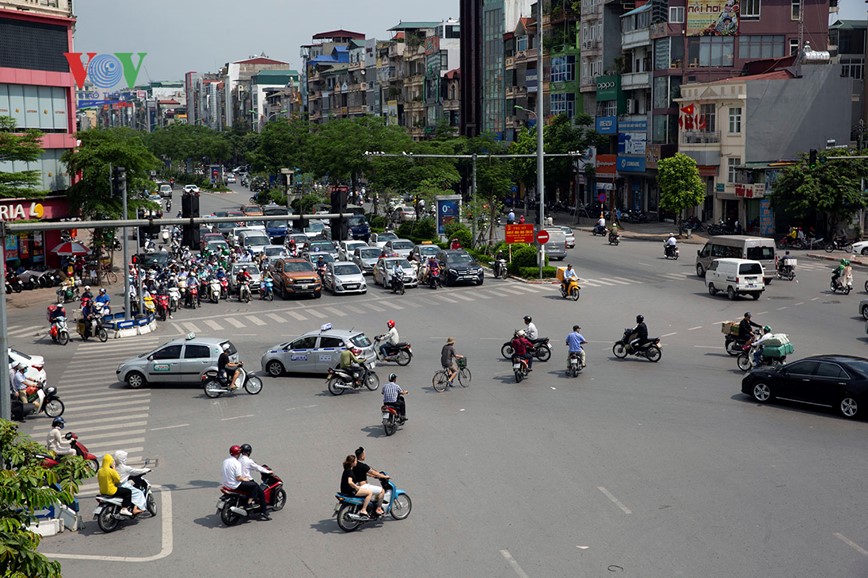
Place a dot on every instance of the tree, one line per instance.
(680, 184)
(26, 487)
(23, 147)
(282, 145)
(190, 143)
(830, 187)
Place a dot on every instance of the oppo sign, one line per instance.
(608, 85)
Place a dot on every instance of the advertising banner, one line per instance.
(631, 164)
(519, 234)
(608, 87)
(448, 211)
(712, 17)
(766, 219)
(96, 75)
(606, 165)
(607, 124)
(11, 247)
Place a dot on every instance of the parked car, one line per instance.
(296, 277)
(401, 247)
(571, 237)
(315, 351)
(836, 381)
(404, 214)
(460, 267)
(344, 277)
(366, 258)
(383, 272)
(180, 361)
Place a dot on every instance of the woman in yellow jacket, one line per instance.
(109, 485)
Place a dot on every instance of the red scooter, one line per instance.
(162, 305)
(235, 504)
(80, 450)
(192, 296)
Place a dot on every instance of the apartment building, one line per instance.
(238, 99)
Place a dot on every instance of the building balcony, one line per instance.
(635, 38)
(49, 7)
(698, 137)
(450, 105)
(635, 80)
(510, 62)
(358, 109)
(588, 84)
(358, 65)
(590, 45)
(513, 92)
(315, 115)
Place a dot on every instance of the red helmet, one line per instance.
(234, 450)
(390, 323)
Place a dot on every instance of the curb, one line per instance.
(854, 260)
(654, 237)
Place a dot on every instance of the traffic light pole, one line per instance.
(126, 272)
(5, 398)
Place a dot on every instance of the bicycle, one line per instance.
(440, 381)
(107, 274)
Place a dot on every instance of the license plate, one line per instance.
(352, 286)
(337, 507)
(385, 416)
(97, 511)
(220, 504)
(516, 366)
(305, 286)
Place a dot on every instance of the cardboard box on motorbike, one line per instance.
(560, 273)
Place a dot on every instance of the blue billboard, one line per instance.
(607, 124)
(448, 211)
(631, 164)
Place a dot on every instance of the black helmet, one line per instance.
(246, 449)
(393, 377)
(528, 319)
(747, 314)
(640, 318)
(58, 421)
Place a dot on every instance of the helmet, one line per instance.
(640, 318)
(102, 290)
(390, 323)
(58, 421)
(234, 450)
(393, 377)
(767, 329)
(747, 314)
(843, 262)
(528, 318)
(246, 449)
(521, 333)
(87, 287)
(846, 262)
(569, 266)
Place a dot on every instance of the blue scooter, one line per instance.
(395, 503)
(266, 290)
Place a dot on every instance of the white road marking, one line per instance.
(479, 295)
(316, 313)
(508, 557)
(190, 327)
(709, 346)
(782, 308)
(621, 281)
(114, 404)
(462, 297)
(373, 307)
(297, 316)
(213, 325)
(114, 434)
(615, 500)
(389, 303)
(669, 334)
(497, 294)
(167, 542)
(236, 417)
(111, 446)
(815, 299)
(354, 309)
(169, 427)
(646, 264)
(22, 332)
(851, 543)
(255, 320)
(762, 312)
(445, 298)
(512, 290)
(694, 328)
(601, 282)
(335, 311)
(234, 322)
(799, 303)
(275, 317)
(79, 423)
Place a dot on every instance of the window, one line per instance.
(197, 352)
(304, 343)
(676, 14)
(831, 370)
(331, 343)
(795, 9)
(750, 9)
(563, 68)
(607, 108)
(794, 46)
(661, 54)
(715, 51)
(521, 44)
(801, 368)
(735, 120)
(731, 163)
(563, 104)
(761, 253)
(170, 352)
(708, 113)
(661, 92)
(756, 46)
(852, 67)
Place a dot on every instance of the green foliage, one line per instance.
(275, 195)
(418, 231)
(100, 149)
(523, 255)
(378, 223)
(186, 142)
(533, 272)
(680, 184)
(307, 203)
(831, 187)
(22, 147)
(25, 487)
(282, 145)
(459, 231)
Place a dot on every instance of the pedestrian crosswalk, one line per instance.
(104, 418)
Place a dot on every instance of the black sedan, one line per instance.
(459, 267)
(836, 381)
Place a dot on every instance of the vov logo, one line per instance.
(104, 70)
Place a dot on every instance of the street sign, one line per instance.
(601, 197)
(542, 237)
(519, 234)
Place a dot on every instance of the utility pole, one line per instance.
(540, 151)
(473, 204)
(125, 216)
(5, 401)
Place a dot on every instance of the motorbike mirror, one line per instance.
(699, 252)
(68, 435)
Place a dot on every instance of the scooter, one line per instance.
(786, 268)
(13, 283)
(499, 268)
(49, 461)
(574, 364)
(339, 380)
(572, 290)
(519, 368)
(391, 419)
(434, 279)
(397, 283)
(838, 285)
(214, 290)
(163, 310)
(650, 350)
(236, 504)
(401, 353)
(108, 514)
(51, 404)
(244, 292)
(150, 305)
(599, 230)
(614, 237)
(216, 385)
(97, 330)
(174, 298)
(542, 349)
(670, 251)
(192, 298)
(59, 331)
(396, 503)
(68, 293)
(266, 290)
(224, 288)
(746, 360)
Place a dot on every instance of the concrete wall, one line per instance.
(786, 118)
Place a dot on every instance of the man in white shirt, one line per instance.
(600, 227)
(247, 463)
(234, 479)
(530, 330)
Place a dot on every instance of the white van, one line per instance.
(738, 247)
(735, 277)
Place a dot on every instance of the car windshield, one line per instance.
(276, 211)
(231, 350)
(18, 353)
(257, 241)
(428, 250)
(360, 340)
(387, 236)
(271, 251)
(255, 224)
(761, 253)
(347, 270)
(277, 224)
(225, 226)
(402, 245)
(371, 253)
(390, 263)
(323, 246)
(315, 226)
(460, 258)
(297, 267)
(356, 221)
(326, 257)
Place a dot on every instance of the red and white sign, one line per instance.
(542, 237)
(519, 234)
(754, 191)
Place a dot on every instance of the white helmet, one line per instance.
(521, 333)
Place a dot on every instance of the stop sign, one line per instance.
(542, 237)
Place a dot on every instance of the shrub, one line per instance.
(418, 231)
(524, 256)
(460, 232)
(379, 222)
(533, 272)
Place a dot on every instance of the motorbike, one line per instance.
(339, 380)
(163, 308)
(244, 292)
(599, 230)
(401, 353)
(234, 505)
(746, 360)
(396, 503)
(215, 384)
(499, 268)
(519, 368)
(670, 251)
(650, 350)
(614, 237)
(733, 345)
(786, 268)
(397, 283)
(67, 293)
(13, 283)
(391, 419)
(838, 284)
(51, 404)
(149, 246)
(266, 290)
(542, 349)
(572, 290)
(224, 288)
(97, 329)
(214, 290)
(168, 205)
(192, 296)
(574, 364)
(108, 513)
(150, 305)
(59, 331)
(174, 299)
(434, 279)
(840, 243)
(49, 461)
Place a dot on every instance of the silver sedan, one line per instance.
(344, 277)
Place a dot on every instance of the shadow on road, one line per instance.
(374, 431)
(328, 526)
(212, 521)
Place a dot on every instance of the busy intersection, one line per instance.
(650, 469)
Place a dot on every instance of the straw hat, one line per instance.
(450, 340)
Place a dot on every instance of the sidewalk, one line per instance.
(650, 231)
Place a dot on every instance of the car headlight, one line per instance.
(453, 271)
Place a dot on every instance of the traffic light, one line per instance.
(812, 158)
(119, 181)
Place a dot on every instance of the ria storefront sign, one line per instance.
(21, 211)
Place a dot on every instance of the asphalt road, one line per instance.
(632, 468)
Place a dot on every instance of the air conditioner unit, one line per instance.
(632, 105)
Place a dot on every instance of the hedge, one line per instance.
(533, 272)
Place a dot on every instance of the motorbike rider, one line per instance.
(521, 348)
(842, 276)
(574, 343)
(56, 313)
(530, 330)
(600, 227)
(351, 488)
(510, 217)
(351, 362)
(104, 299)
(398, 271)
(639, 335)
(569, 273)
(224, 366)
(745, 330)
(126, 472)
(87, 294)
(670, 244)
(361, 473)
(320, 266)
(758, 352)
(393, 395)
(247, 463)
(109, 485)
(433, 267)
(55, 442)
(447, 357)
(234, 479)
(390, 339)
